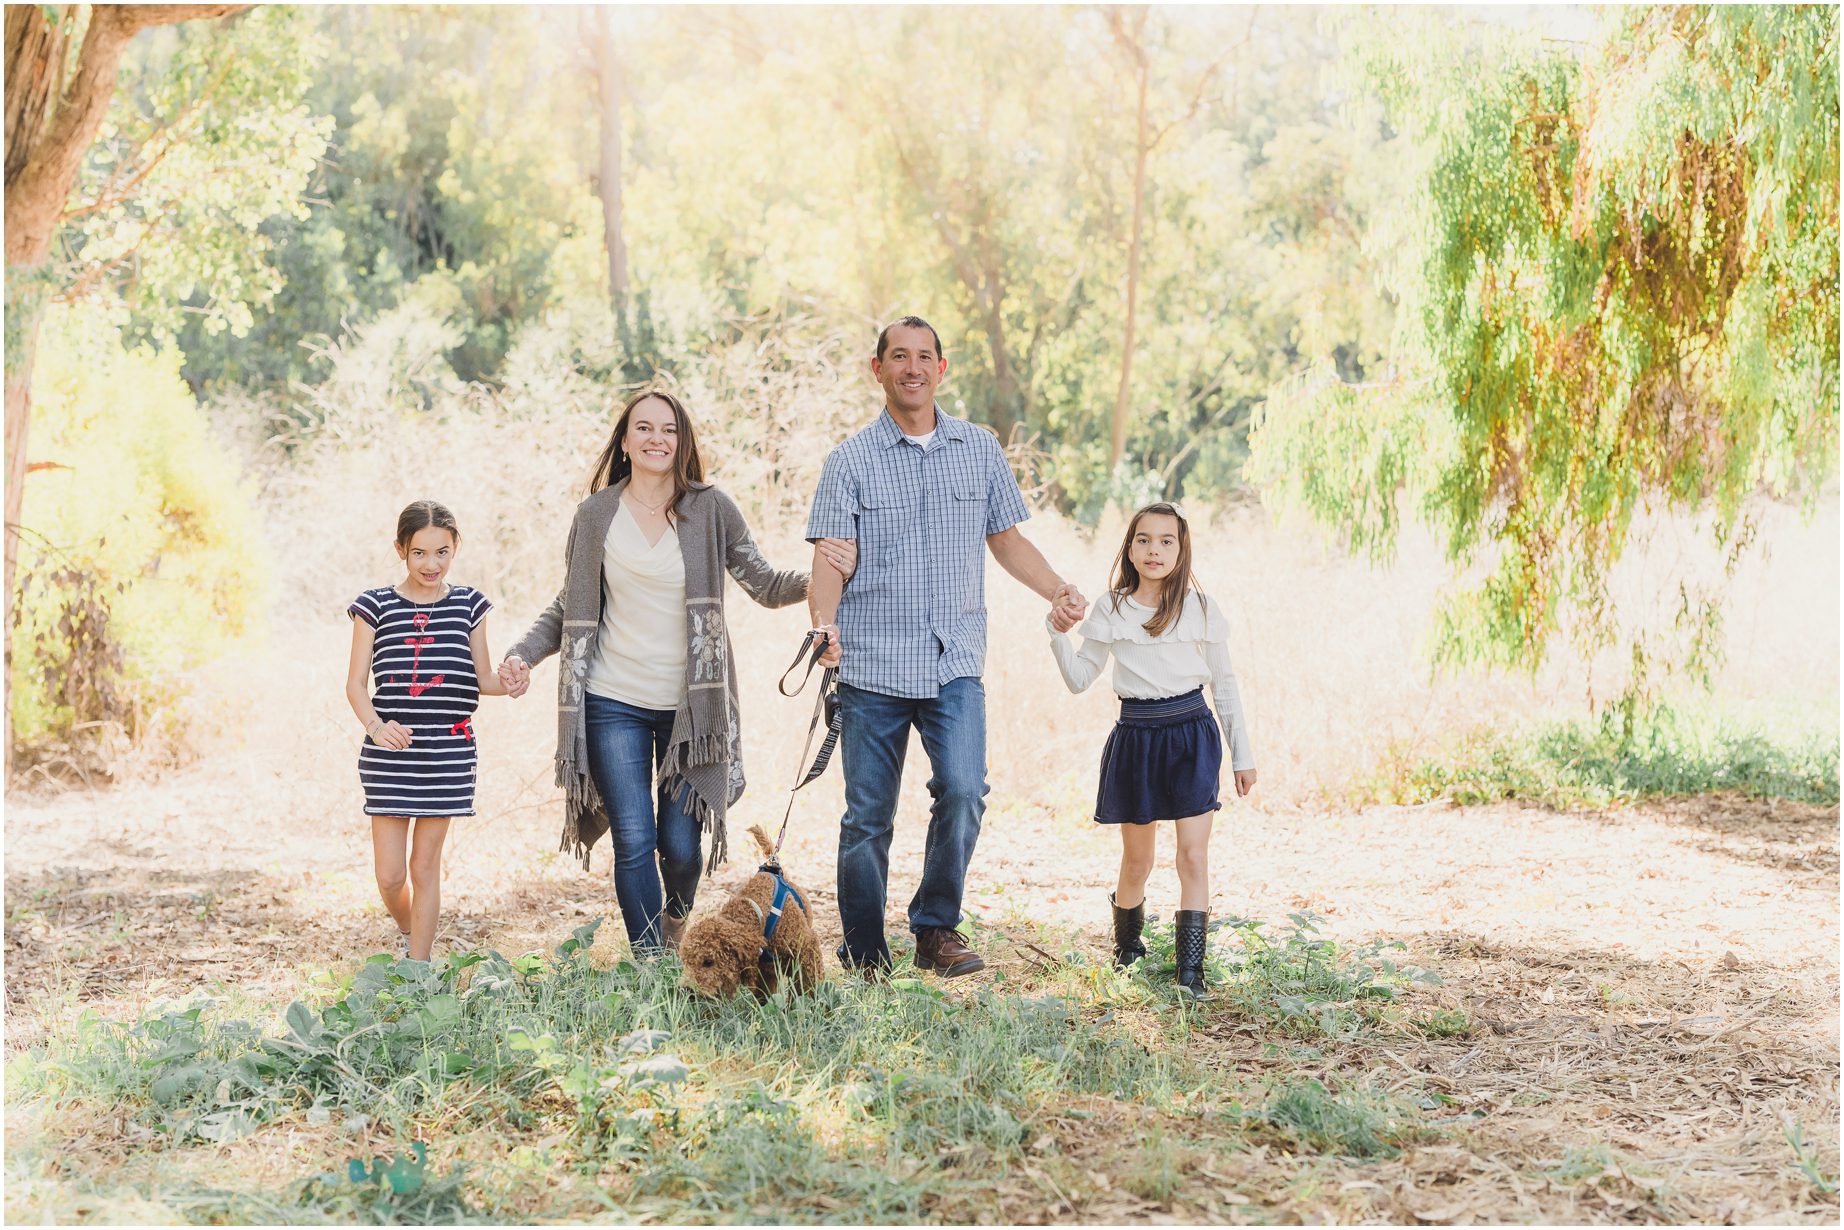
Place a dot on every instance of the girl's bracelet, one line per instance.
(376, 725)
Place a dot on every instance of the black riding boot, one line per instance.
(1127, 927)
(1191, 932)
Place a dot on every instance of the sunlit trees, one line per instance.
(1620, 291)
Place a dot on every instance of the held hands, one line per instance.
(842, 554)
(1067, 607)
(391, 735)
(516, 675)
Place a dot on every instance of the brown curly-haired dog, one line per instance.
(726, 951)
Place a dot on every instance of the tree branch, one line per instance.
(111, 194)
(35, 198)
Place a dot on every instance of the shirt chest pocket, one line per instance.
(887, 519)
(967, 509)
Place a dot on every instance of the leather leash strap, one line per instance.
(825, 712)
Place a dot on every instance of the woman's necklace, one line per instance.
(655, 509)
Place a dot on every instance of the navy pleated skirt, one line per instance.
(1162, 761)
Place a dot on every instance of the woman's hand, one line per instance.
(842, 554)
(516, 675)
(393, 736)
(1245, 781)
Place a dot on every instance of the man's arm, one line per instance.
(823, 593)
(834, 515)
(1019, 556)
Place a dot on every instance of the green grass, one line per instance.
(1806, 1158)
(1600, 764)
(871, 1095)
(505, 1080)
(1357, 1122)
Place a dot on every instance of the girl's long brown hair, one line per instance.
(687, 467)
(1177, 583)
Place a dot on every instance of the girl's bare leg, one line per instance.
(426, 880)
(1136, 863)
(1194, 862)
(388, 836)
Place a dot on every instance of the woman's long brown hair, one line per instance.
(687, 467)
(1177, 582)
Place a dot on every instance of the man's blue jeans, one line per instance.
(626, 744)
(873, 738)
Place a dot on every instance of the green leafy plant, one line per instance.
(1611, 761)
(1356, 1122)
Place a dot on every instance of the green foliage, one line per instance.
(1623, 294)
(691, 1102)
(206, 141)
(142, 558)
(1357, 1122)
(458, 140)
(1291, 980)
(462, 177)
(884, 1100)
(1612, 761)
(1806, 1157)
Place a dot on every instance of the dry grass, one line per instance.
(1643, 997)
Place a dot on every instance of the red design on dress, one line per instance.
(416, 643)
(463, 727)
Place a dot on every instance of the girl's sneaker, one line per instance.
(403, 943)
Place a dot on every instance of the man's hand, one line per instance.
(1067, 607)
(1245, 781)
(830, 659)
(515, 675)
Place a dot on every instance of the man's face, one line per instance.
(910, 369)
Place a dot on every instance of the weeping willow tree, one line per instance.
(1619, 283)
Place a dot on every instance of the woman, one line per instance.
(647, 679)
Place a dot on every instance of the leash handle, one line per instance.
(816, 641)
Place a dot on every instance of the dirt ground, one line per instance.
(1654, 992)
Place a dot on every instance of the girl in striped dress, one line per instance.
(423, 644)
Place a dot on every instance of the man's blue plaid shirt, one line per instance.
(913, 616)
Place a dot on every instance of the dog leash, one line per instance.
(825, 709)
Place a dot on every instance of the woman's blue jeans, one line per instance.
(653, 835)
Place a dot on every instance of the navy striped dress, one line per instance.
(422, 676)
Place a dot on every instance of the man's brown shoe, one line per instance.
(944, 951)
(671, 931)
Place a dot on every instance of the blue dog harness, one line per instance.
(783, 890)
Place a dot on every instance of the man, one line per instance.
(925, 495)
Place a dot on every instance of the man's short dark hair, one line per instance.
(908, 322)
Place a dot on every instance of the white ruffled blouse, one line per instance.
(1192, 652)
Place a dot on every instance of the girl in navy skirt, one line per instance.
(423, 644)
(1164, 757)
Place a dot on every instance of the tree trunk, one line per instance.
(45, 145)
(1008, 398)
(1117, 438)
(34, 54)
(608, 87)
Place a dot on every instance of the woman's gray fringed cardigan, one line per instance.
(704, 756)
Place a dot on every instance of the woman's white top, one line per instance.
(1193, 651)
(640, 648)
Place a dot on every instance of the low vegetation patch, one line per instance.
(1610, 762)
(441, 1092)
